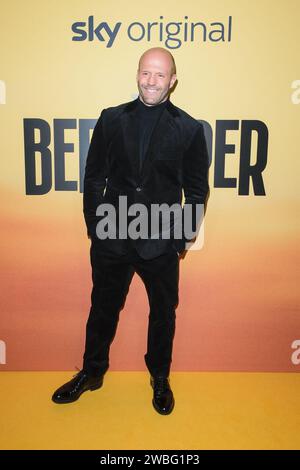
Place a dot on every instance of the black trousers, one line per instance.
(111, 277)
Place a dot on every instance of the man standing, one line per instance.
(147, 151)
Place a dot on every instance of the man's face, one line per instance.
(155, 78)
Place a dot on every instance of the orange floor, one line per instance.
(212, 411)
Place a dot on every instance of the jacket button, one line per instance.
(138, 189)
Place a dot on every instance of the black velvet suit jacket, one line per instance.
(176, 162)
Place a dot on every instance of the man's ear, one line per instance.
(173, 80)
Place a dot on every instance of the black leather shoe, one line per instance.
(72, 390)
(163, 399)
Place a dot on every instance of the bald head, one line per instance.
(159, 53)
(155, 76)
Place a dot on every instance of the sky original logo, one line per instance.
(102, 32)
(171, 34)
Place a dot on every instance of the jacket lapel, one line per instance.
(129, 123)
(163, 128)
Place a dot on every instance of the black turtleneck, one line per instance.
(148, 116)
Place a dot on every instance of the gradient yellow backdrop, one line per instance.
(239, 295)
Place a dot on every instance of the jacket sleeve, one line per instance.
(195, 179)
(95, 176)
